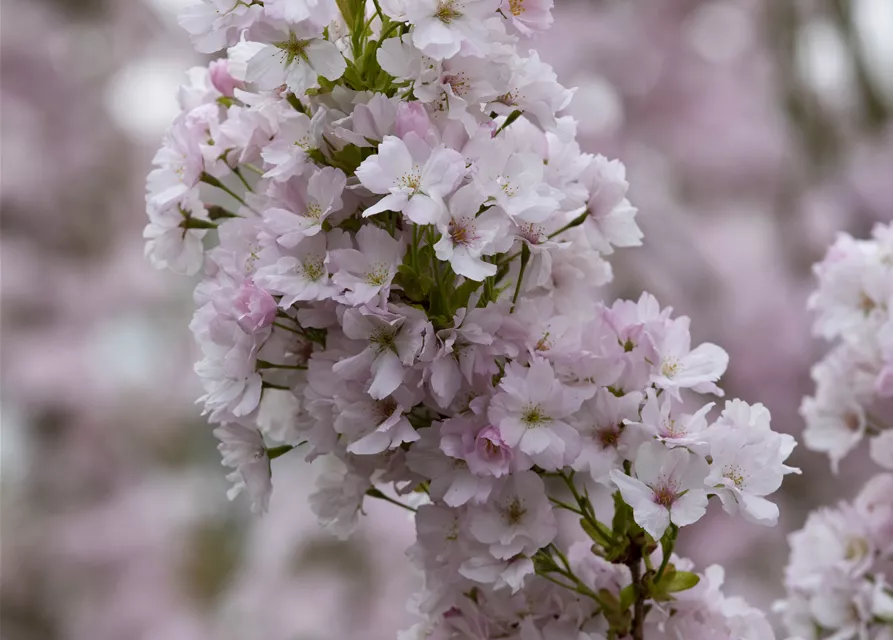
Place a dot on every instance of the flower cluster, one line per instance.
(404, 286)
(835, 578)
(853, 302)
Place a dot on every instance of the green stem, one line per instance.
(576, 222)
(525, 258)
(275, 452)
(282, 326)
(375, 493)
(263, 364)
(207, 178)
(251, 167)
(667, 547)
(379, 11)
(242, 178)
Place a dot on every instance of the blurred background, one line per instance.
(753, 131)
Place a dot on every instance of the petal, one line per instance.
(689, 508)
(423, 210)
(326, 59)
(266, 68)
(388, 372)
(391, 202)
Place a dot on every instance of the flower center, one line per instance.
(544, 343)
(252, 258)
(293, 49)
(866, 304)
(670, 367)
(446, 11)
(856, 548)
(458, 82)
(516, 7)
(609, 437)
(671, 429)
(378, 275)
(665, 494)
(314, 211)
(533, 416)
(514, 511)
(384, 409)
(532, 233)
(462, 232)
(411, 180)
(313, 268)
(733, 473)
(509, 99)
(506, 185)
(383, 338)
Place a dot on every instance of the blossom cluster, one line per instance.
(835, 578)
(855, 380)
(404, 286)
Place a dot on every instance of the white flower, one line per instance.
(311, 201)
(742, 471)
(321, 12)
(533, 89)
(339, 496)
(243, 449)
(373, 426)
(832, 540)
(288, 151)
(301, 275)
(528, 16)
(415, 178)
(674, 430)
(443, 28)
(466, 237)
(392, 343)
(170, 244)
(682, 367)
(531, 410)
(834, 425)
(514, 181)
(611, 218)
(296, 60)
(517, 519)
(366, 274)
(668, 486)
(215, 24)
(607, 438)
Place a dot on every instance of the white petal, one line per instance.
(326, 59)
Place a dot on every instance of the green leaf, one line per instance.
(620, 523)
(627, 596)
(350, 157)
(350, 9)
(215, 213)
(681, 581)
(197, 223)
(514, 115)
(462, 293)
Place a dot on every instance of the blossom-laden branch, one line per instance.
(402, 247)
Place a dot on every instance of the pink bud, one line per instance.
(491, 455)
(412, 117)
(255, 309)
(221, 78)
